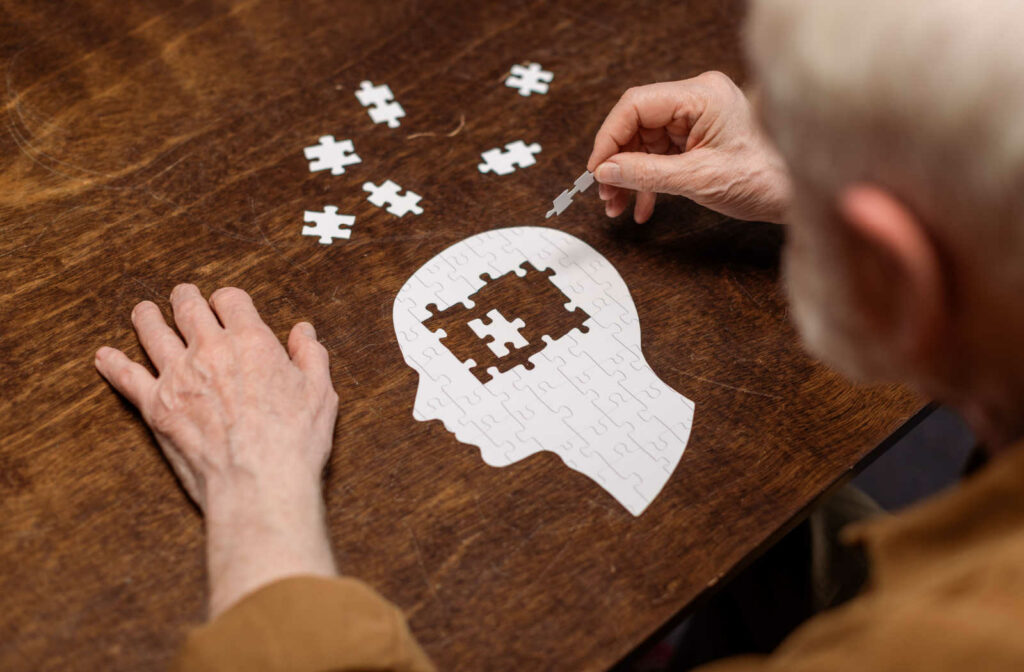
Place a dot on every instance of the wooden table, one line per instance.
(151, 143)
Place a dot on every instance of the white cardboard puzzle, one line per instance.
(380, 103)
(503, 162)
(389, 194)
(585, 392)
(529, 79)
(564, 199)
(330, 154)
(327, 225)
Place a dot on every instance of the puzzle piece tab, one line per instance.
(381, 101)
(331, 155)
(516, 153)
(564, 199)
(529, 79)
(327, 224)
(388, 193)
(498, 333)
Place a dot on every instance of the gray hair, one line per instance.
(922, 97)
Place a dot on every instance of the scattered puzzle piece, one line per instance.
(381, 101)
(388, 193)
(327, 224)
(368, 94)
(498, 332)
(516, 153)
(529, 79)
(389, 114)
(331, 155)
(564, 199)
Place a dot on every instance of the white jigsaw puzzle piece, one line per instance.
(368, 94)
(327, 224)
(331, 154)
(495, 161)
(381, 101)
(590, 397)
(529, 79)
(564, 199)
(388, 113)
(502, 332)
(388, 193)
(516, 153)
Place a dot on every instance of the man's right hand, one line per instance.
(696, 138)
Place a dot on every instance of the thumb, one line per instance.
(640, 171)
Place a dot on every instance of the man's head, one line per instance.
(901, 125)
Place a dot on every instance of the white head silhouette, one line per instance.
(585, 392)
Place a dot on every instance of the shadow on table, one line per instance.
(692, 235)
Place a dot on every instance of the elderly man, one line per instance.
(896, 158)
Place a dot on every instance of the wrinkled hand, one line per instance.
(697, 138)
(246, 426)
(231, 408)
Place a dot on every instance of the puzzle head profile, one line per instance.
(526, 339)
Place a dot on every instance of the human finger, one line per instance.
(235, 309)
(650, 107)
(129, 378)
(618, 204)
(644, 207)
(309, 354)
(640, 171)
(656, 141)
(610, 193)
(192, 313)
(159, 341)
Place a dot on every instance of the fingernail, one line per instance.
(102, 352)
(609, 173)
(308, 330)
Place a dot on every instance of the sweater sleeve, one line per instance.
(302, 624)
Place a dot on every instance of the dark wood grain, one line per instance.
(154, 142)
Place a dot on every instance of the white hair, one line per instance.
(922, 97)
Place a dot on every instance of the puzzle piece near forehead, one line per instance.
(530, 299)
(498, 333)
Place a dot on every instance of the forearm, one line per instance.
(258, 535)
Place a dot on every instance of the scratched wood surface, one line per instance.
(159, 141)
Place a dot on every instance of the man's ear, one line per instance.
(898, 272)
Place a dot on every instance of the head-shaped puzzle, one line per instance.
(526, 339)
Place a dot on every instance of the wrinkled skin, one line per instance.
(697, 138)
(247, 427)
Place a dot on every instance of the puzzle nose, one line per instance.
(421, 407)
